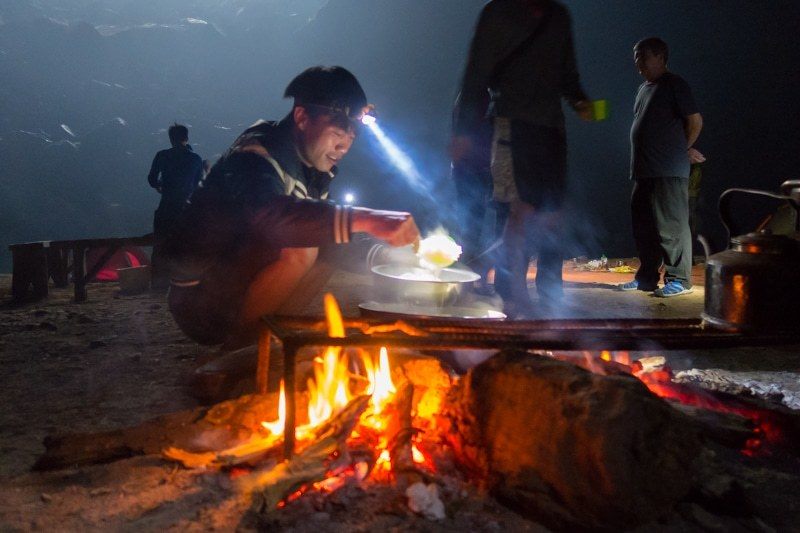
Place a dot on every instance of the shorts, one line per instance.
(529, 163)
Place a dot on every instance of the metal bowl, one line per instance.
(404, 284)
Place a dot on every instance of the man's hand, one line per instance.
(394, 227)
(692, 124)
(584, 110)
(695, 156)
(460, 147)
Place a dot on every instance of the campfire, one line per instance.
(358, 423)
(529, 426)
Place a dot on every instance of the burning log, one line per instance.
(271, 486)
(727, 429)
(257, 448)
(203, 429)
(405, 471)
(568, 447)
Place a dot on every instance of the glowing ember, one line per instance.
(416, 455)
(384, 461)
(658, 378)
(766, 430)
(622, 358)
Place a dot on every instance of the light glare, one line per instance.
(401, 161)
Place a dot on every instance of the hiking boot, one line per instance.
(672, 288)
(634, 285)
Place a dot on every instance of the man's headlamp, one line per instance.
(365, 115)
(368, 115)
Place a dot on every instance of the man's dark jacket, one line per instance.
(258, 198)
(530, 87)
(175, 172)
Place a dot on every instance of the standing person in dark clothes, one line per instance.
(522, 52)
(666, 124)
(472, 178)
(174, 174)
(248, 242)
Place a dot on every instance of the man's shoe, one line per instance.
(672, 288)
(634, 285)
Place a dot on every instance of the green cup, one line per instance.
(600, 110)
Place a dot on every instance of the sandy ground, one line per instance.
(116, 360)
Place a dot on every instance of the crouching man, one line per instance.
(248, 242)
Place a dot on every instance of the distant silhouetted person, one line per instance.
(174, 173)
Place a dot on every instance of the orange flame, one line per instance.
(329, 388)
(381, 385)
(333, 315)
(338, 377)
(328, 391)
(276, 428)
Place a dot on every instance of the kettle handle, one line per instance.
(725, 201)
(791, 188)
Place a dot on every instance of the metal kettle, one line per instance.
(754, 285)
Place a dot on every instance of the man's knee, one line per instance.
(300, 258)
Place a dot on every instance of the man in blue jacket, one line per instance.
(175, 173)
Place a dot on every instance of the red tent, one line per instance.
(129, 256)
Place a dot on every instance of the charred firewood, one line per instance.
(727, 429)
(400, 448)
(271, 486)
(199, 430)
(567, 447)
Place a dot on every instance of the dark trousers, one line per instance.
(473, 186)
(660, 216)
(163, 222)
(539, 157)
(541, 237)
